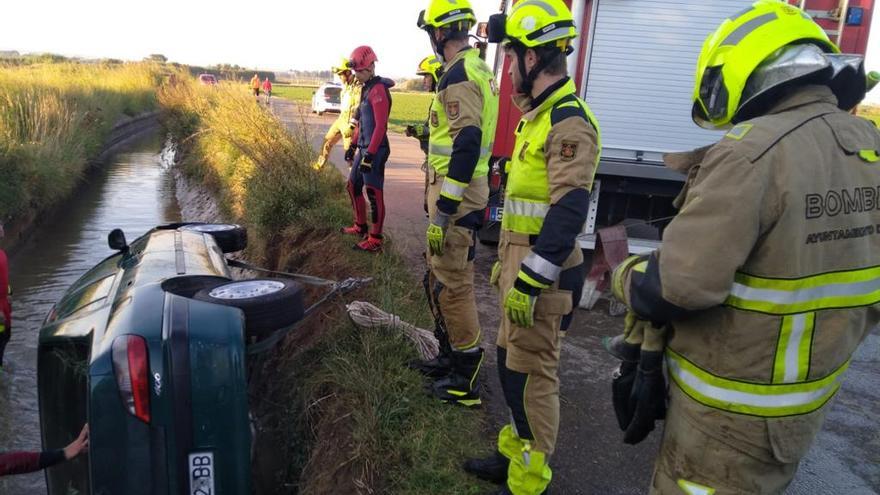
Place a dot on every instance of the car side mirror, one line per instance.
(116, 240)
(483, 30)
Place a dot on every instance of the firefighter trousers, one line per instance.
(452, 273)
(339, 130)
(528, 358)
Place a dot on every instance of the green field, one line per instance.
(406, 108)
(302, 94)
(870, 112)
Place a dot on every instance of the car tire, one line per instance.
(268, 303)
(229, 237)
(320, 113)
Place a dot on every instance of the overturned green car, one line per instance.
(149, 347)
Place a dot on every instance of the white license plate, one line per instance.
(201, 473)
(496, 213)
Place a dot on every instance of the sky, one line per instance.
(275, 35)
(271, 34)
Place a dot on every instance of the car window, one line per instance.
(83, 297)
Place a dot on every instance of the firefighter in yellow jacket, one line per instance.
(540, 270)
(344, 125)
(462, 122)
(768, 278)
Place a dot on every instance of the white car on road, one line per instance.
(327, 98)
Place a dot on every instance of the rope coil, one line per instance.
(366, 316)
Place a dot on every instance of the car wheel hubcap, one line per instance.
(246, 289)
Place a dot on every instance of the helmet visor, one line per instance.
(712, 103)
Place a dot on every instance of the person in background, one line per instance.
(430, 68)
(28, 462)
(344, 125)
(267, 88)
(255, 85)
(5, 307)
(370, 150)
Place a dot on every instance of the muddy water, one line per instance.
(134, 192)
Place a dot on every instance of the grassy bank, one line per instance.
(406, 108)
(339, 410)
(54, 118)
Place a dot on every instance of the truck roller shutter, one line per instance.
(640, 73)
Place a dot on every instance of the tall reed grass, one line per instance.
(54, 118)
(262, 170)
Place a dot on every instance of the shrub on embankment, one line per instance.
(54, 118)
(338, 410)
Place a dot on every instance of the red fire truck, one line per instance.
(634, 65)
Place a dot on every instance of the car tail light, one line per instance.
(132, 368)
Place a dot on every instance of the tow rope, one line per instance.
(336, 288)
(363, 314)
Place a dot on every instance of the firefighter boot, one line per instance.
(441, 365)
(529, 473)
(492, 468)
(462, 385)
(435, 368)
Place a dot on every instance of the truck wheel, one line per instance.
(638, 229)
(268, 303)
(489, 234)
(229, 237)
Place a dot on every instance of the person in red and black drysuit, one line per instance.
(369, 150)
(5, 308)
(28, 462)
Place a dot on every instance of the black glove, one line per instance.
(349, 154)
(367, 162)
(623, 379)
(638, 388)
(410, 131)
(648, 397)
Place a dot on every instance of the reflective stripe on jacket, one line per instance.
(466, 87)
(770, 273)
(527, 200)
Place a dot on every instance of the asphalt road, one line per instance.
(591, 457)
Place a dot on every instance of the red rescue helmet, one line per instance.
(362, 57)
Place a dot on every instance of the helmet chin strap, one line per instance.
(528, 77)
(437, 46)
